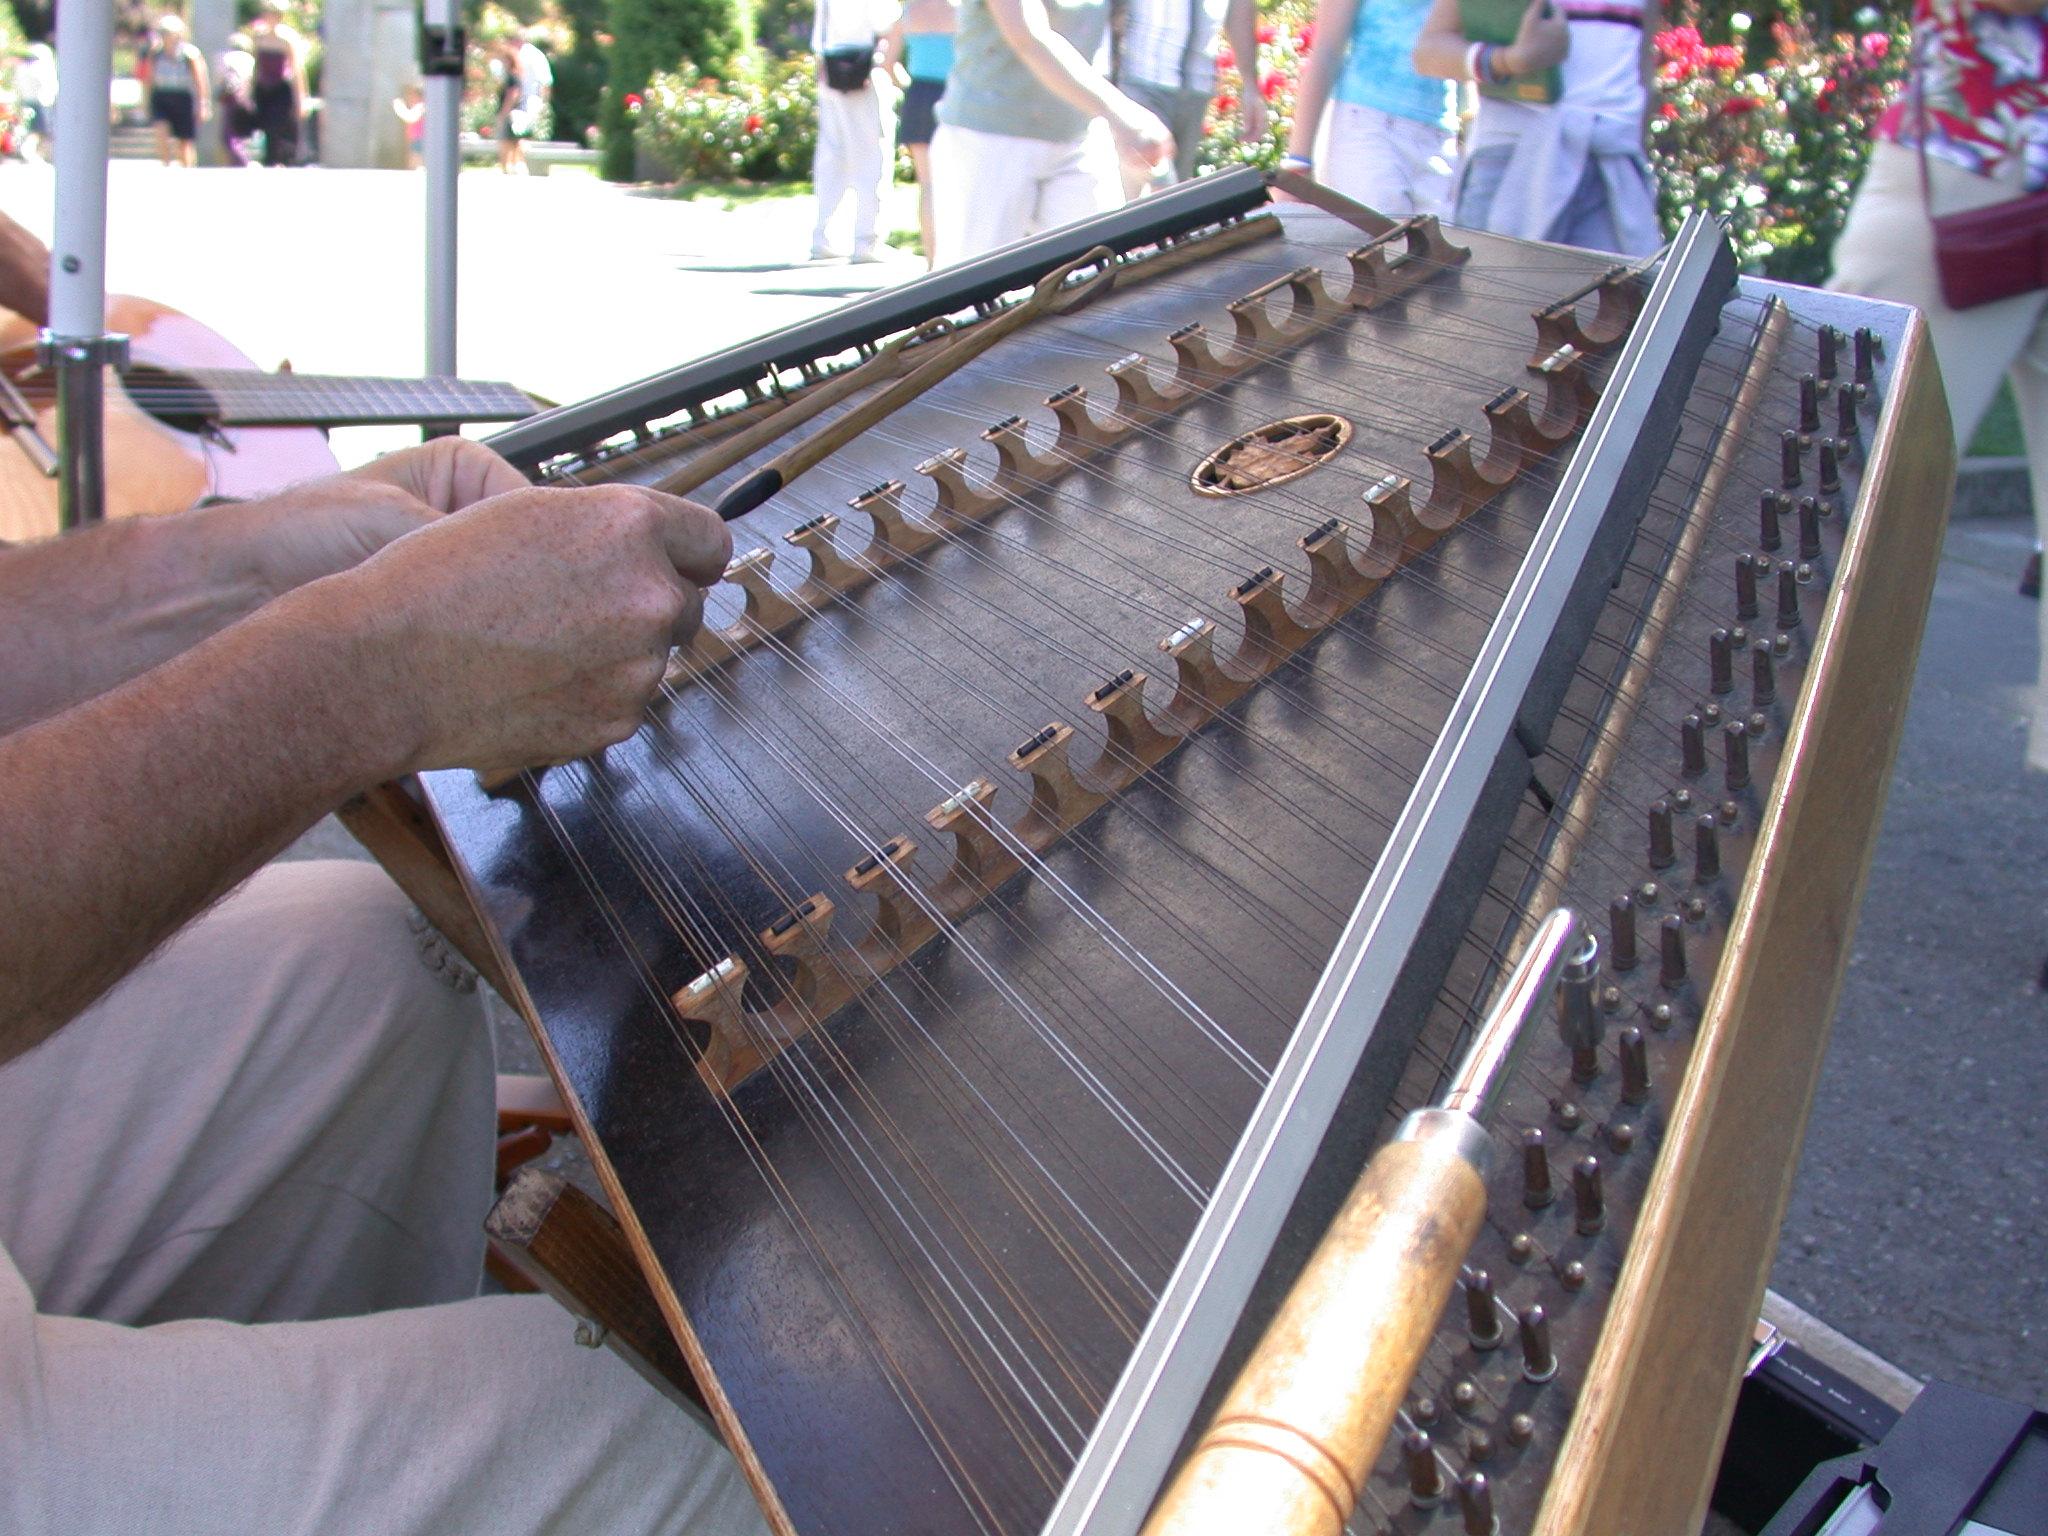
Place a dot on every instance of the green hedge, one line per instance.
(648, 38)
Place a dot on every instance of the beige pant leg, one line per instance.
(478, 1418)
(1887, 252)
(286, 1113)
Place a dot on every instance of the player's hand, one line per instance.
(323, 526)
(531, 628)
(1541, 41)
(1252, 114)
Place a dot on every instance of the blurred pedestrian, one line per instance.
(1166, 61)
(409, 106)
(536, 87)
(504, 68)
(1558, 156)
(278, 89)
(235, 88)
(35, 83)
(177, 92)
(919, 49)
(1032, 135)
(1969, 131)
(1365, 123)
(852, 158)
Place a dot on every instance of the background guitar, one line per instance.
(194, 417)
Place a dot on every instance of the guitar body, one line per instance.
(153, 465)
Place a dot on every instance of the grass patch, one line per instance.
(732, 195)
(1998, 434)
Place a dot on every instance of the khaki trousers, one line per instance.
(239, 1250)
(1886, 251)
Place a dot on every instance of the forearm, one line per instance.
(1058, 66)
(1241, 31)
(1440, 55)
(86, 612)
(24, 273)
(131, 812)
(1319, 77)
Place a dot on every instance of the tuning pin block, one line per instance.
(1621, 925)
(1763, 674)
(1770, 509)
(1720, 663)
(1846, 429)
(1788, 459)
(1635, 1066)
(1671, 952)
(1735, 742)
(1809, 528)
(1425, 1475)
(1589, 1203)
(1579, 1023)
(1692, 745)
(1475, 1505)
(1536, 1190)
(1866, 356)
(1706, 850)
(1745, 586)
(1788, 597)
(1830, 340)
(1830, 467)
(1809, 404)
(1482, 1312)
(1539, 1362)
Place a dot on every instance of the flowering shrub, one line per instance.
(756, 128)
(1286, 31)
(1777, 151)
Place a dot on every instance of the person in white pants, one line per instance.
(852, 158)
(1975, 155)
(1365, 123)
(246, 1153)
(1031, 133)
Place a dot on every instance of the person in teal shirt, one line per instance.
(1390, 136)
(918, 51)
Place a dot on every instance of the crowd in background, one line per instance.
(1021, 115)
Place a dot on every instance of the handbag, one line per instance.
(848, 69)
(1989, 253)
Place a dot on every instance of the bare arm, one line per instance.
(531, 627)
(1441, 50)
(1241, 30)
(1334, 19)
(202, 100)
(84, 613)
(24, 272)
(1057, 65)
(891, 57)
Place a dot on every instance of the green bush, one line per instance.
(1776, 151)
(760, 127)
(648, 38)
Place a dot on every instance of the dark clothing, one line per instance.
(915, 125)
(277, 119)
(175, 110)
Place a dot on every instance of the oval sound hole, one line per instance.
(1272, 454)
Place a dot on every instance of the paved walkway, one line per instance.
(1917, 1222)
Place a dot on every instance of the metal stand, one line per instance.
(442, 41)
(75, 345)
(79, 365)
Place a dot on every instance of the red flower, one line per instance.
(1267, 32)
(1305, 39)
(1876, 44)
(1739, 106)
(1225, 104)
(753, 123)
(1668, 112)
(1270, 86)
(1226, 57)
(1724, 56)
(633, 102)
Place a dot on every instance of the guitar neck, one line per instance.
(252, 399)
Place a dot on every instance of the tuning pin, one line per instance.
(1763, 674)
(1830, 467)
(1538, 1361)
(1809, 528)
(1735, 741)
(1621, 928)
(1579, 1023)
(1830, 338)
(1770, 507)
(1720, 663)
(1706, 849)
(1671, 941)
(1845, 413)
(1662, 855)
(1465, 1396)
(1866, 348)
(1482, 1314)
(1788, 598)
(1521, 1430)
(1478, 1446)
(1745, 586)
(1425, 1476)
(1809, 404)
(1692, 745)
(1635, 1066)
(1589, 1204)
(1475, 1505)
(1788, 459)
(1536, 1190)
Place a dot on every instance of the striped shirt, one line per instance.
(1171, 43)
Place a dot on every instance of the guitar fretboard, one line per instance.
(248, 399)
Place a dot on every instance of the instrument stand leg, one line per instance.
(79, 364)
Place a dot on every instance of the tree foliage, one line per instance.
(652, 36)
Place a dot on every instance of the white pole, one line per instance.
(442, 68)
(78, 256)
(76, 347)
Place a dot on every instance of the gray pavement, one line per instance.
(1916, 1224)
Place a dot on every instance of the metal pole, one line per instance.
(76, 346)
(442, 45)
